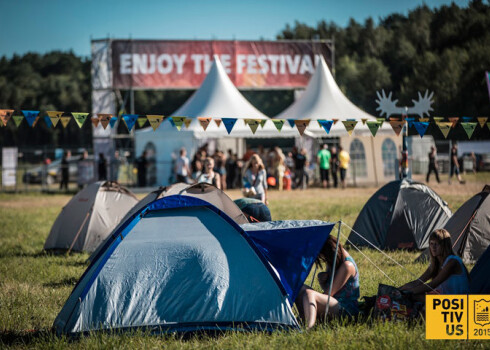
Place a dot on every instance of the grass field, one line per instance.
(34, 285)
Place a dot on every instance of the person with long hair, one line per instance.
(208, 175)
(345, 288)
(255, 179)
(446, 271)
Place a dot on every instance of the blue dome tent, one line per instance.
(181, 264)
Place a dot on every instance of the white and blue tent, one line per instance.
(180, 264)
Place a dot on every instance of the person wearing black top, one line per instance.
(102, 167)
(65, 174)
(454, 166)
(299, 168)
(142, 164)
(432, 164)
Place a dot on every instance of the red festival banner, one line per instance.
(183, 64)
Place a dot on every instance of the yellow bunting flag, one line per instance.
(204, 121)
(335, 121)
(95, 121)
(17, 119)
(187, 122)
(424, 120)
(482, 121)
(454, 121)
(488, 125)
(397, 126)
(79, 118)
(253, 124)
(350, 125)
(381, 121)
(364, 120)
(437, 119)
(301, 125)
(141, 121)
(5, 115)
(54, 116)
(262, 122)
(105, 119)
(217, 121)
(278, 123)
(178, 122)
(65, 119)
(445, 127)
(155, 121)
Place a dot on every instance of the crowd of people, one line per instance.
(257, 170)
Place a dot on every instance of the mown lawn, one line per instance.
(34, 285)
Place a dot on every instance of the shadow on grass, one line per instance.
(15, 253)
(67, 282)
(25, 337)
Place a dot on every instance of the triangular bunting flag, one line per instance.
(105, 119)
(113, 121)
(291, 122)
(364, 120)
(48, 122)
(482, 121)
(79, 118)
(65, 119)
(177, 122)
(204, 121)
(5, 115)
(437, 119)
(469, 128)
(467, 119)
(253, 124)
(187, 122)
(1, 123)
(423, 120)
(488, 125)
(155, 121)
(421, 127)
(95, 121)
(380, 121)
(326, 124)
(130, 120)
(262, 122)
(55, 117)
(17, 119)
(394, 119)
(397, 126)
(217, 121)
(31, 117)
(454, 121)
(278, 123)
(374, 126)
(335, 121)
(229, 123)
(410, 121)
(445, 127)
(142, 121)
(349, 125)
(301, 125)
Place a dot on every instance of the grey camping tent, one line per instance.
(400, 215)
(90, 216)
(470, 227)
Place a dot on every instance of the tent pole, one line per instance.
(333, 269)
(79, 230)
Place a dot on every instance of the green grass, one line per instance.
(34, 285)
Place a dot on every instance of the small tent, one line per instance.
(204, 191)
(181, 264)
(479, 277)
(470, 227)
(400, 215)
(90, 216)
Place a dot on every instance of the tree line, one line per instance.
(445, 50)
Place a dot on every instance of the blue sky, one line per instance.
(46, 25)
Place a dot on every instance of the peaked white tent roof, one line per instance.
(323, 99)
(217, 97)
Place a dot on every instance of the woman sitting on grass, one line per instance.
(446, 271)
(345, 288)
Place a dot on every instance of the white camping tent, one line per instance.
(373, 158)
(90, 216)
(217, 97)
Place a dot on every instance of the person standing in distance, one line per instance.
(182, 170)
(323, 160)
(344, 160)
